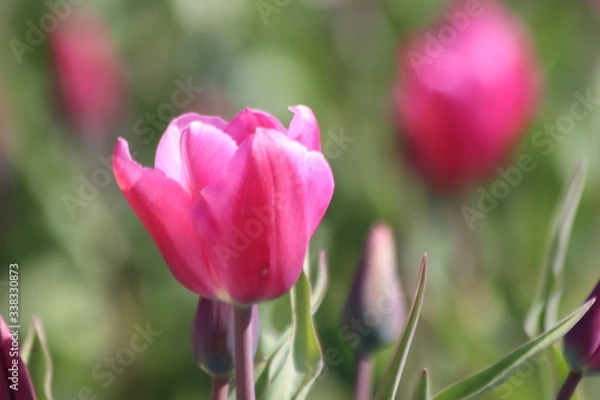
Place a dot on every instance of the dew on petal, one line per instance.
(264, 272)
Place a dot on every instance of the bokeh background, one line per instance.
(91, 272)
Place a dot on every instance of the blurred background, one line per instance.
(75, 75)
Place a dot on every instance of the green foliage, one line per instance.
(544, 311)
(422, 389)
(488, 379)
(388, 387)
(36, 344)
(293, 367)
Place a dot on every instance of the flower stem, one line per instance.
(244, 365)
(568, 388)
(220, 388)
(364, 377)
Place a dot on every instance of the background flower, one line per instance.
(467, 89)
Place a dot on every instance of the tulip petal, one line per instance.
(318, 187)
(304, 128)
(315, 175)
(163, 207)
(205, 149)
(245, 123)
(168, 153)
(258, 217)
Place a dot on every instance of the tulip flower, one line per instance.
(375, 311)
(15, 380)
(582, 343)
(232, 206)
(88, 72)
(467, 89)
(213, 337)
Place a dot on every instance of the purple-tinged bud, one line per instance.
(213, 336)
(375, 310)
(582, 342)
(16, 382)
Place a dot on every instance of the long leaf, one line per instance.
(36, 331)
(319, 282)
(391, 380)
(544, 310)
(489, 378)
(295, 365)
(422, 389)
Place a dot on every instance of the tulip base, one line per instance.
(244, 364)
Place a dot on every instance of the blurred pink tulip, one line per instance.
(232, 206)
(88, 72)
(15, 380)
(467, 90)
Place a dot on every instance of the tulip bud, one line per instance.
(15, 382)
(87, 72)
(374, 314)
(467, 89)
(213, 337)
(582, 343)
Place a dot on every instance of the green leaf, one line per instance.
(391, 380)
(278, 323)
(298, 360)
(422, 389)
(36, 331)
(489, 378)
(320, 281)
(544, 310)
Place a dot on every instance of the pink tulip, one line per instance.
(15, 381)
(88, 72)
(232, 206)
(467, 90)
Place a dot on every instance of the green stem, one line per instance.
(568, 388)
(220, 388)
(244, 365)
(364, 377)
